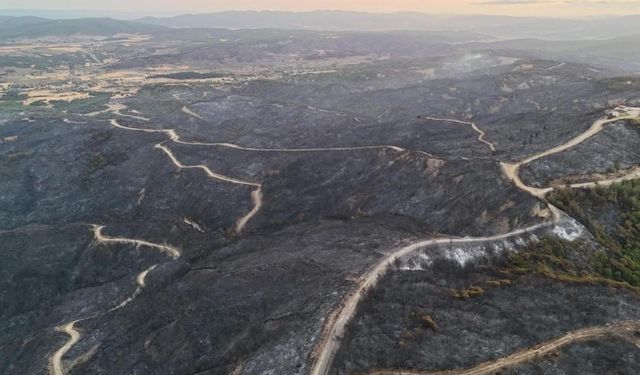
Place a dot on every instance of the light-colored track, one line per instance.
(256, 195)
(512, 170)
(473, 125)
(625, 330)
(337, 322)
(340, 318)
(171, 251)
(56, 365)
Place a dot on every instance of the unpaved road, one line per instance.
(56, 366)
(256, 195)
(634, 174)
(312, 149)
(55, 363)
(624, 329)
(474, 126)
(330, 343)
(171, 251)
(340, 318)
(237, 147)
(512, 170)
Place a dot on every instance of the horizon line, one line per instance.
(170, 14)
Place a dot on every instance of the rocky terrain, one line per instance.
(211, 201)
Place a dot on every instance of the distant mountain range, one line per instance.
(497, 26)
(37, 27)
(480, 27)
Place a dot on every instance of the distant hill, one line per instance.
(499, 26)
(468, 27)
(34, 27)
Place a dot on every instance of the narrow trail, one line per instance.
(339, 319)
(512, 170)
(204, 168)
(474, 126)
(172, 252)
(140, 280)
(292, 150)
(56, 366)
(256, 195)
(186, 110)
(624, 329)
(189, 112)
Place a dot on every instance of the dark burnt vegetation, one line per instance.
(255, 302)
(517, 309)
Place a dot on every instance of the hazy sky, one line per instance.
(561, 8)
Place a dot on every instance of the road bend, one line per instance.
(512, 170)
(339, 319)
(473, 125)
(56, 365)
(256, 195)
(623, 329)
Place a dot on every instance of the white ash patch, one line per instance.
(570, 233)
(465, 255)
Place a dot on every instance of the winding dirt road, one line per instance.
(256, 195)
(55, 363)
(624, 329)
(186, 110)
(338, 321)
(474, 126)
(340, 318)
(172, 252)
(56, 367)
(512, 170)
(237, 147)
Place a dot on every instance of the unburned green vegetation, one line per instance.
(566, 261)
(612, 215)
